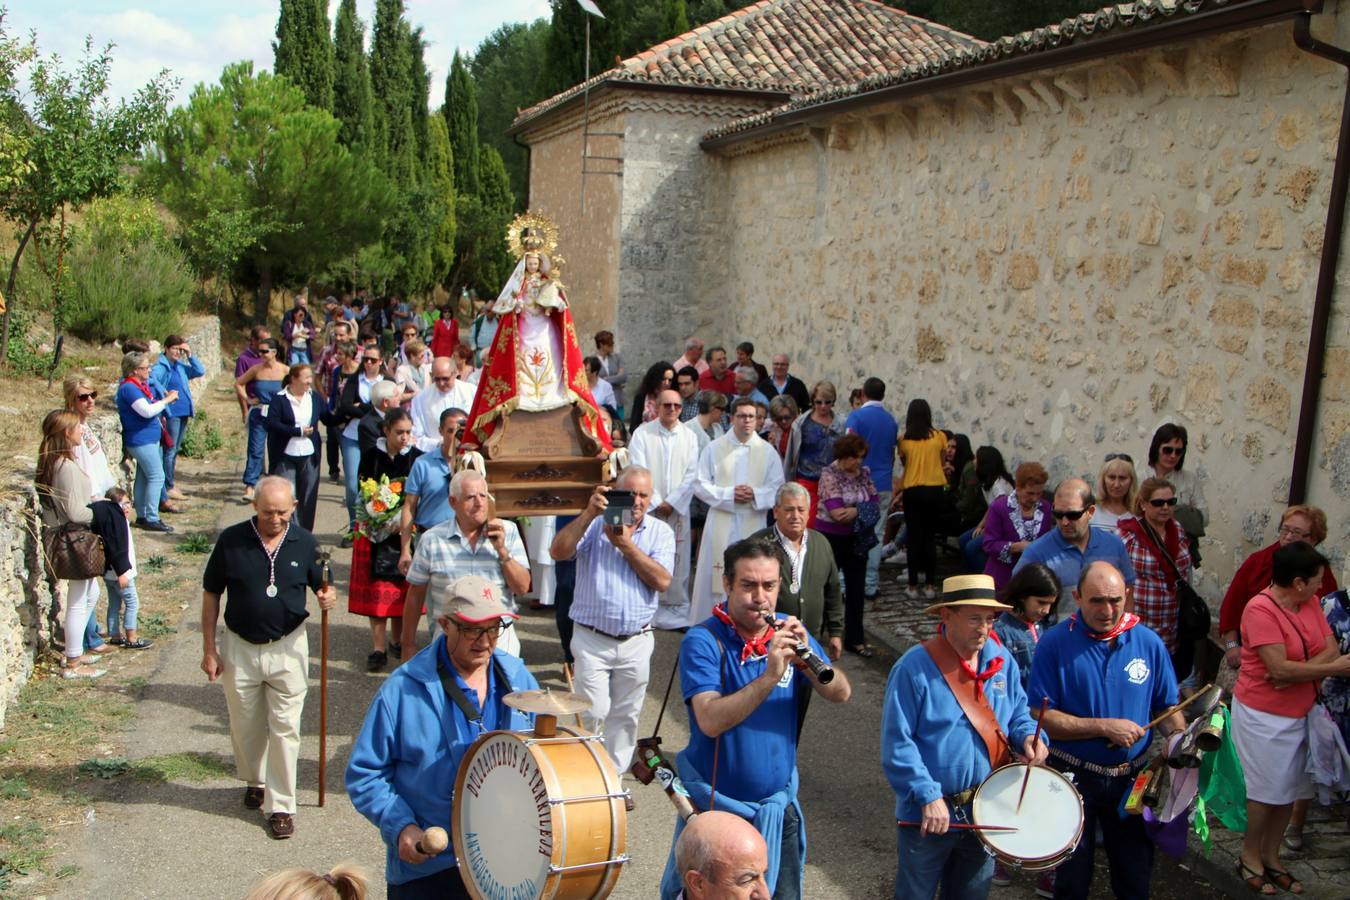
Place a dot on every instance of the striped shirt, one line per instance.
(443, 555)
(610, 597)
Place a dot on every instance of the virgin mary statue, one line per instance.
(535, 363)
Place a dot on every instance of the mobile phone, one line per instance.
(620, 509)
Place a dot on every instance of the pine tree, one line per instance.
(303, 50)
(461, 120)
(351, 83)
(391, 90)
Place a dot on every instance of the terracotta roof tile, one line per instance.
(794, 47)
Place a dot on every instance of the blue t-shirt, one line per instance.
(875, 425)
(429, 481)
(1067, 561)
(757, 757)
(1130, 677)
(137, 430)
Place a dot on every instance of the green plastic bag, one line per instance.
(1223, 788)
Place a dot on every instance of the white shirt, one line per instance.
(796, 557)
(303, 409)
(426, 411)
(603, 393)
(672, 458)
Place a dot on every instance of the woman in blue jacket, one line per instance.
(140, 407)
(173, 370)
(293, 440)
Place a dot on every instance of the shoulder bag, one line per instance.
(1193, 616)
(74, 552)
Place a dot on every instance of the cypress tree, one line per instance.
(303, 50)
(420, 80)
(351, 83)
(391, 90)
(461, 120)
(441, 182)
(677, 19)
(494, 266)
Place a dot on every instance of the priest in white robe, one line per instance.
(738, 477)
(669, 450)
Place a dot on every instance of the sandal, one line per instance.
(862, 650)
(1284, 880)
(1256, 882)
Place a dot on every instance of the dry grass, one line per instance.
(60, 752)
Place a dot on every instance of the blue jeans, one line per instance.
(123, 603)
(955, 861)
(177, 426)
(972, 549)
(257, 444)
(790, 860)
(92, 641)
(351, 460)
(299, 355)
(873, 581)
(1129, 852)
(149, 485)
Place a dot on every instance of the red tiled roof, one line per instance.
(793, 47)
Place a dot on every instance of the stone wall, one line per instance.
(1062, 263)
(25, 592)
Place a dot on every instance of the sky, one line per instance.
(196, 39)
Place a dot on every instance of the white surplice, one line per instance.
(672, 458)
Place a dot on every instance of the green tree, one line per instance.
(351, 84)
(391, 89)
(995, 18)
(440, 181)
(461, 121)
(303, 50)
(677, 18)
(250, 145)
(419, 95)
(502, 68)
(481, 257)
(75, 143)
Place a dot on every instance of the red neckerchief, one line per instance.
(165, 438)
(1127, 621)
(995, 665)
(758, 646)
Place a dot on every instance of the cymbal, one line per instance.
(547, 702)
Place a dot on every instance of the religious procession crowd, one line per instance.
(760, 514)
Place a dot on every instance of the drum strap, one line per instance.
(452, 690)
(971, 697)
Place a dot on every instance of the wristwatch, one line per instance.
(1231, 645)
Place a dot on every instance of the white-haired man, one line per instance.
(446, 391)
(621, 571)
(468, 543)
(693, 356)
(780, 382)
(263, 566)
(384, 396)
(668, 449)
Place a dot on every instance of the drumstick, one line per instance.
(567, 670)
(959, 826)
(434, 841)
(1171, 711)
(1040, 723)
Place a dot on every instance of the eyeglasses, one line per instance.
(819, 402)
(439, 378)
(492, 631)
(1073, 515)
(1296, 533)
(1160, 502)
(89, 396)
(1172, 451)
(671, 405)
(783, 420)
(1123, 457)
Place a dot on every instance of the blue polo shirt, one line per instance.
(758, 756)
(1068, 561)
(1127, 678)
(429, 481)
(878, 427)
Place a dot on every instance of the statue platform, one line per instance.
(542, 464)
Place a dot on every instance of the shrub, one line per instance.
(118, 288)
(201, 437)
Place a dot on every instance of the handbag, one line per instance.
(384, 560)
(74, 553)
(1193, 616)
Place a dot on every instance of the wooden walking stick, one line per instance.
(324, 556)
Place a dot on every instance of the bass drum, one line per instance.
(1049, 823)
(539, 817)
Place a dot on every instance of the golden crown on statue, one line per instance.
(533, 233)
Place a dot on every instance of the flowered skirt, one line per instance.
(369, 596)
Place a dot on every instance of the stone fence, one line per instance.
(26, 594)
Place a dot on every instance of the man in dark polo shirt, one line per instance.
(264, 566)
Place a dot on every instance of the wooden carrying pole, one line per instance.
(323, 685)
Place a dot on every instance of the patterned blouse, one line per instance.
(839, 490)
(1336, 691)
(1155, 596)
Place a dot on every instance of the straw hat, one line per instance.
(968, 590)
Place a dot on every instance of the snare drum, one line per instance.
(539, 816)
(1049, 823)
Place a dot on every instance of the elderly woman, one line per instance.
(1160, 555)
(1014, 521)
(1286, 650)
(847, 516)
(64, 491)
(139, 405)
(1166, 458)
(1117, 487)
(811, 444)
(782, 414)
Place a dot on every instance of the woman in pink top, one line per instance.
(1285, 653)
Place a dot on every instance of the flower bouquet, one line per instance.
(377, 515)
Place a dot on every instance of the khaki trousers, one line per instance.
(265, 686)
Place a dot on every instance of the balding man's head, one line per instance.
(669, 404)
(273, 501)
(443, 367)
(1100, 595)
(721, 856)
(1073, 510)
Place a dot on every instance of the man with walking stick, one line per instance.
(263, 567)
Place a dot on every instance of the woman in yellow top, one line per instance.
(921, 450)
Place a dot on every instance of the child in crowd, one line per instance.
(120, 578)
(1031, 593)
(343, 882)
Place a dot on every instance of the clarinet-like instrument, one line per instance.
(823, 671)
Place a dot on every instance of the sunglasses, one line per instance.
(1159, 502)
(1123, 457)
(823, 402)
(783, 420)
(671, 405)
(371, 359)
(1172, 451)
(1073, 515)
(89, 396)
